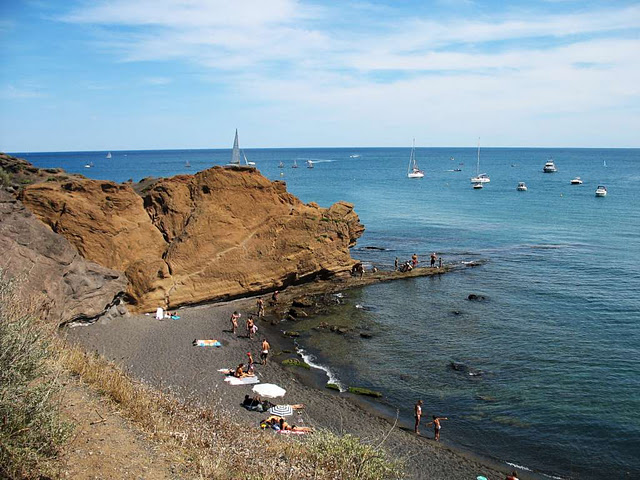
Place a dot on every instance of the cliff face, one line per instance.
(49, 270)
(217, 234)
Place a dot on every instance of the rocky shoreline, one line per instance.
(160, 352)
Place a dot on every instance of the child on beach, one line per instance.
(436, 426)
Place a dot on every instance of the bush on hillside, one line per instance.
(31, 431)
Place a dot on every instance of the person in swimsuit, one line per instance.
(417, 412)
(414, 260)
(249, 326)
(436, 426)
(285, 426)
(513, 476)
(234, 322)
(250, 367)
(239, 373)
(260, 305)
(265, 351)
(433, 259)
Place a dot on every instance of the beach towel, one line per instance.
(175, 317)
(241, 381)
(291, 432)
(206, 343)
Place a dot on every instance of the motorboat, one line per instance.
(576, 181)
(521, 187)
(309, 164)
(414, 171)
(601, 191)
(549, 167)
(478, 186)
(88, 165)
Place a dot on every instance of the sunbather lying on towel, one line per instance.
(240, 373)
(285, 426)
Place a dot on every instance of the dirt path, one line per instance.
(106, 446)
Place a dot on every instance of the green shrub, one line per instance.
(5, 179)
(347, 457)
(31, 431)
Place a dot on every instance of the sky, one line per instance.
(168, 74)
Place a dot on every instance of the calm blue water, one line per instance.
(558, 338)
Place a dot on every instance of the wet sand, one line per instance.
(160, 353)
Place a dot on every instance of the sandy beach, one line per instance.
(160, 353)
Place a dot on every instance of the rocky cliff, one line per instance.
(218, 234)
(49, 271)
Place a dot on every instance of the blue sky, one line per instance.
(156, 74)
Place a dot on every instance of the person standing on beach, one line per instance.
(395, 265)
(436, 426)
(440, 262)
(234, 322)
(250, 367)
(414, 260)
(417, 412)
(260, 304)
(274, 297)
(433, 259)
(265, 351)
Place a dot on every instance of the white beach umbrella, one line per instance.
(269, 390)
(281, 410)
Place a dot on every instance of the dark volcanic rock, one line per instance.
(473, 296)
(50, 271)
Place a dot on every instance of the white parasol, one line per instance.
(269, 390)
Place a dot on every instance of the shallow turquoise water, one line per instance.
(558, 338)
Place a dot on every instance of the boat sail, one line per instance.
(414, 171)
(235, 155)
(108, 155)
(295, 164)
(480, 177)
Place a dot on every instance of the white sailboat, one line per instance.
(235, 155)
(108, 155)
(414, 171)
(309, 164)
(480, 177)
(281, 165)
(295, 163)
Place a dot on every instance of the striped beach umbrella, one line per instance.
(281, 410)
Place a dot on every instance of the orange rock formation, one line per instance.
(218, 234)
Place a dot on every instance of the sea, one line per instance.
(543, 372)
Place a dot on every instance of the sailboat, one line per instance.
(187, 164)
(414, 171)
(235, 155)
(480, 177)
(295, 164)
(109, 155)
(281, 165)
(309, 164)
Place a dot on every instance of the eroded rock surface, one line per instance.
(49, 270)
(218, 234)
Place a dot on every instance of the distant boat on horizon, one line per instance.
(549, 167)
(235, 155)
(309, 164)
(108, 155)
(414, 171)
(295, 164)
(88, 165)
(187, 164)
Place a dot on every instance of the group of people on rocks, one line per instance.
(413, 263)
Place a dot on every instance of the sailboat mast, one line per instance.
(235, 155)
(478, 164)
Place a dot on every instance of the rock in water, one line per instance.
(49, 270)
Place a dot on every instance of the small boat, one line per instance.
(452, 159)
(281, 165)
(604, 163)
(478, 186)
(521, 187)
(295, 164)
(235, 155)
(549, 167)
(88, 165)
(480, 177)
(601, 191)
(414, 171)
(309, 164)
(108, 155)
(187, 164)
(355, 155)
(576, 181)
(457, 169)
